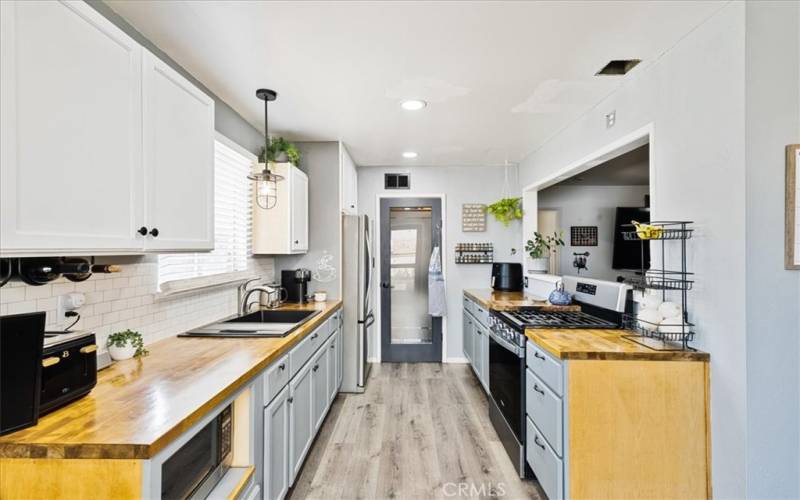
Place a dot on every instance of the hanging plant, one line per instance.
(280, 150)
(506, 210)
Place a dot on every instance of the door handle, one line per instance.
(384, 284)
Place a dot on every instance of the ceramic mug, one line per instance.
(320, 296)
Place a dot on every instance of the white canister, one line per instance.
(320, 296)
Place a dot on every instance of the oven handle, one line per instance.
(517, 350)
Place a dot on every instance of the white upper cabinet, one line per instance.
(178, 160)
(71, 132)
(349, 188)
(99, 140)
(283, 229)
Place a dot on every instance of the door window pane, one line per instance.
(410, 252)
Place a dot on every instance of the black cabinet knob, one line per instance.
(142, 230)
(291, 400)
(154, 232)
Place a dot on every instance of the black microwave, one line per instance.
(194, 470)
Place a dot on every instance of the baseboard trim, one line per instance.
(456, 360)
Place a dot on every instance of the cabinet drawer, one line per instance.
(546, 367)
(302, 352)
(275, 378)
(467, 305)
(481, 314)
(549, 469)
(545, 409)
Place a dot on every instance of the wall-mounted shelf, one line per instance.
(474, 253)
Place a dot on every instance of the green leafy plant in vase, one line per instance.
(506, 210)
(125, 345)
(540, 248)
(280, 150)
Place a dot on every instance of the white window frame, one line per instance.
(219, 279)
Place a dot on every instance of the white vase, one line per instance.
(539, 265)
(120, 353)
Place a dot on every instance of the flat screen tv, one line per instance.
(627, 255)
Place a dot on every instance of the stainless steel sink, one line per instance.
(267, 323)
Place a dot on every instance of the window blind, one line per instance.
(232, 224)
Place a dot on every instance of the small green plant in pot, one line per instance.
(280, 150)
(540, 248)
(506, 210)
(125, 345)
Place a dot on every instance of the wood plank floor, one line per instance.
(420, 431)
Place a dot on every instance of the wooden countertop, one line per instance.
(141, 405)
(509, 301)
(602, 344)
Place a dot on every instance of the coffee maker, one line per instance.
(295, 281)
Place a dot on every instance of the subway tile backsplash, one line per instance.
(128, 300)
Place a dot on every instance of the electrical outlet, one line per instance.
(68, 302)
(611, 119)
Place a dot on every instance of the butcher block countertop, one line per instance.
(587, 344)
(141, 405)
(509, 301)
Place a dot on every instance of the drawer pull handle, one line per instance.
(291, 400)
(536, 440)
(333, 346)
(537, 355)
(52, 360)
(315, 336)
(89, 348)
(282, 366)
(537, 389)
(316, 367)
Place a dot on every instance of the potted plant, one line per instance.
(540, 248)
(125, 345)
(506, 210)
(280, 151)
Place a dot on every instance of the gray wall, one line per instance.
(226, 121)
(459, 185)
(320, 160)
(773, 301)
(591, 206)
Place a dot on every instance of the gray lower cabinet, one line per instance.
(333, 365)
(301, 419)
(319, 387)
(476, 340)
(276, 447)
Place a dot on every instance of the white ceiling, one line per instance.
(501, 77)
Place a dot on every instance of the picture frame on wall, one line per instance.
(792, 247)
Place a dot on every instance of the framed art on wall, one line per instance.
(792, 250)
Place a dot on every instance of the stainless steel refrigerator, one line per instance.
(358, 263)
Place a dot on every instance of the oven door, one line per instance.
(506, 382)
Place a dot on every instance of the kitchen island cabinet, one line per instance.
(609, 418)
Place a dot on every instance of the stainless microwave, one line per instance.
(194, 470)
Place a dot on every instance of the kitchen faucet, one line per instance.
(244, 295)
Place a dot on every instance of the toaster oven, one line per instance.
(69, 368)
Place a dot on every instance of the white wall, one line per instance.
(128, 300)
(694, 97)
(773, 300)
(591, 206)
(459, 185)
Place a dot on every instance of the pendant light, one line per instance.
(266, 181)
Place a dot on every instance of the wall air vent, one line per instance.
(396, 181)
(618, 67)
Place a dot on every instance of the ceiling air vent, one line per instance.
(618, 67)
(396, 181)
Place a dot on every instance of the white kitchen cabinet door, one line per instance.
(319, 377)
(70, 132)
(339, 355)
(178, 160)
(276, 447)
(301, 419)
(299, 214)
(349, 188)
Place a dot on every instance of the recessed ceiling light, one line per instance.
(409, 154)
(413, 104)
